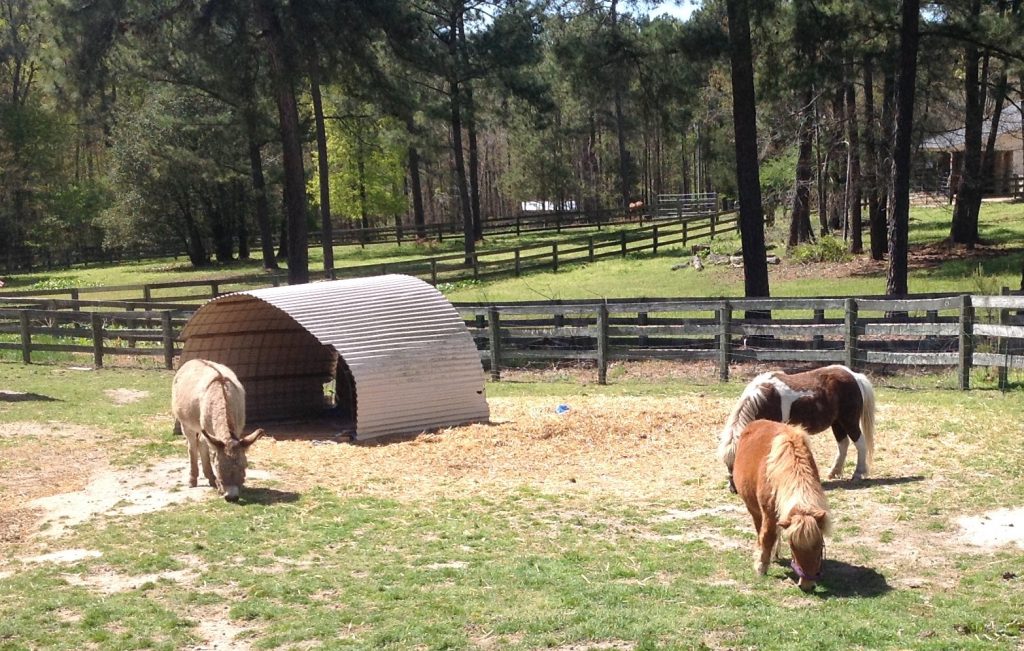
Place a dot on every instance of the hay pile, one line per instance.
(634, 447)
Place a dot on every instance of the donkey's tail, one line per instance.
(867, 416)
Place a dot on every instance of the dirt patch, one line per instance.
(64, 556)
(216, 631)
(125, 396)
(107, 581)
(995, 529)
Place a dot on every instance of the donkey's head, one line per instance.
(229, 462)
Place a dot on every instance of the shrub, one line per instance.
(826, 249)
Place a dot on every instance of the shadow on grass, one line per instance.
(17, 396)
(841, 579)
(851, 484)
(267, 496)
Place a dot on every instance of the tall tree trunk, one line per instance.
(470, 119)
(241, 220)
(876, 227)
(259, 190)
(283, 75)
(755, 266)
(964, 227)
(821, 165)
(836, 163)
(885, 157)
(625, 160)
(323, 172)
(800, 222)
(988, 167)
(899, 219)
(853, 190)
(459, 164)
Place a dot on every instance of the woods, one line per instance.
(227, 130)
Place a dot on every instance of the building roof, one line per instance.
(414, 364)
(1009, 125)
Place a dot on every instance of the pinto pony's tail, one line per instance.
(867, 416)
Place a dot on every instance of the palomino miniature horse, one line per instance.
(778, 480)
(815, 400)
(209, 402)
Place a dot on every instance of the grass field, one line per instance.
(933, 268)
(606, 527)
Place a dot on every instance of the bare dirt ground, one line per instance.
(651, 451)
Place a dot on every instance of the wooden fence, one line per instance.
(951, 331)
(434, 269)
(958, 332)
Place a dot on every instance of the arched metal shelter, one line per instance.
(393, 349)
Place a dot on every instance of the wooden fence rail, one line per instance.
(956, 331)
(434, 269)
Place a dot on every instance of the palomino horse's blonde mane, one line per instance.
(790, 472)
(745, 412)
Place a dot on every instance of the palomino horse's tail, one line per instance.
(794, 479)
(743, 413)
(867, 416)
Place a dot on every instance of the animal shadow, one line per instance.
(841, 579)
(17, 396)
(267, 496)
(852, 485)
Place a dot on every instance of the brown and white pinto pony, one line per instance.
(778, 480)
(832, 396)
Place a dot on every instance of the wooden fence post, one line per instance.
(725, 341)
(1002, 345)
(686, 235)
(168, 335)
(476, 265)
(819, 340)
(518, 262)
(147, 293)
(97, 339)
(554, 257)
(214, 290)
(433, 272)
(26, 338)
(602, 344)
(966, 342)
(622, 242)
(641, 320)
(654, 239)
(590, 248)
(850, 333)
(495, 342)
(75, 297)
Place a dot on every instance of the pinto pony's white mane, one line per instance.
(743, 413)
(791, 474)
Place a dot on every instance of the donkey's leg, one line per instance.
(193, 458)
(843, 444)
(204, 454)
(862, 456)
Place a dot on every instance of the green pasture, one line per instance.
(995, 265)
(339, 567)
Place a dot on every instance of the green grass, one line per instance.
(524, 568)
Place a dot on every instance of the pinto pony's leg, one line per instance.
(843, 444)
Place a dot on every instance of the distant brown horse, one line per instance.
(778, 480)
(832, 396)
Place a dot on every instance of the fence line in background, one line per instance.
(433, 269)
(954, 331)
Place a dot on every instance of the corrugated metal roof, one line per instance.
(414, 363)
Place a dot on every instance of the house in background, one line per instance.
(943, 158)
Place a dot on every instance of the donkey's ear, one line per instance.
(818, 515)
(212, 440)
(252, 438)
(785, 523)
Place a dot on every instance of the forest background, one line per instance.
(213, 127)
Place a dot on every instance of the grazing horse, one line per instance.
(778, 480)
(209, 402)
(832, 396)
